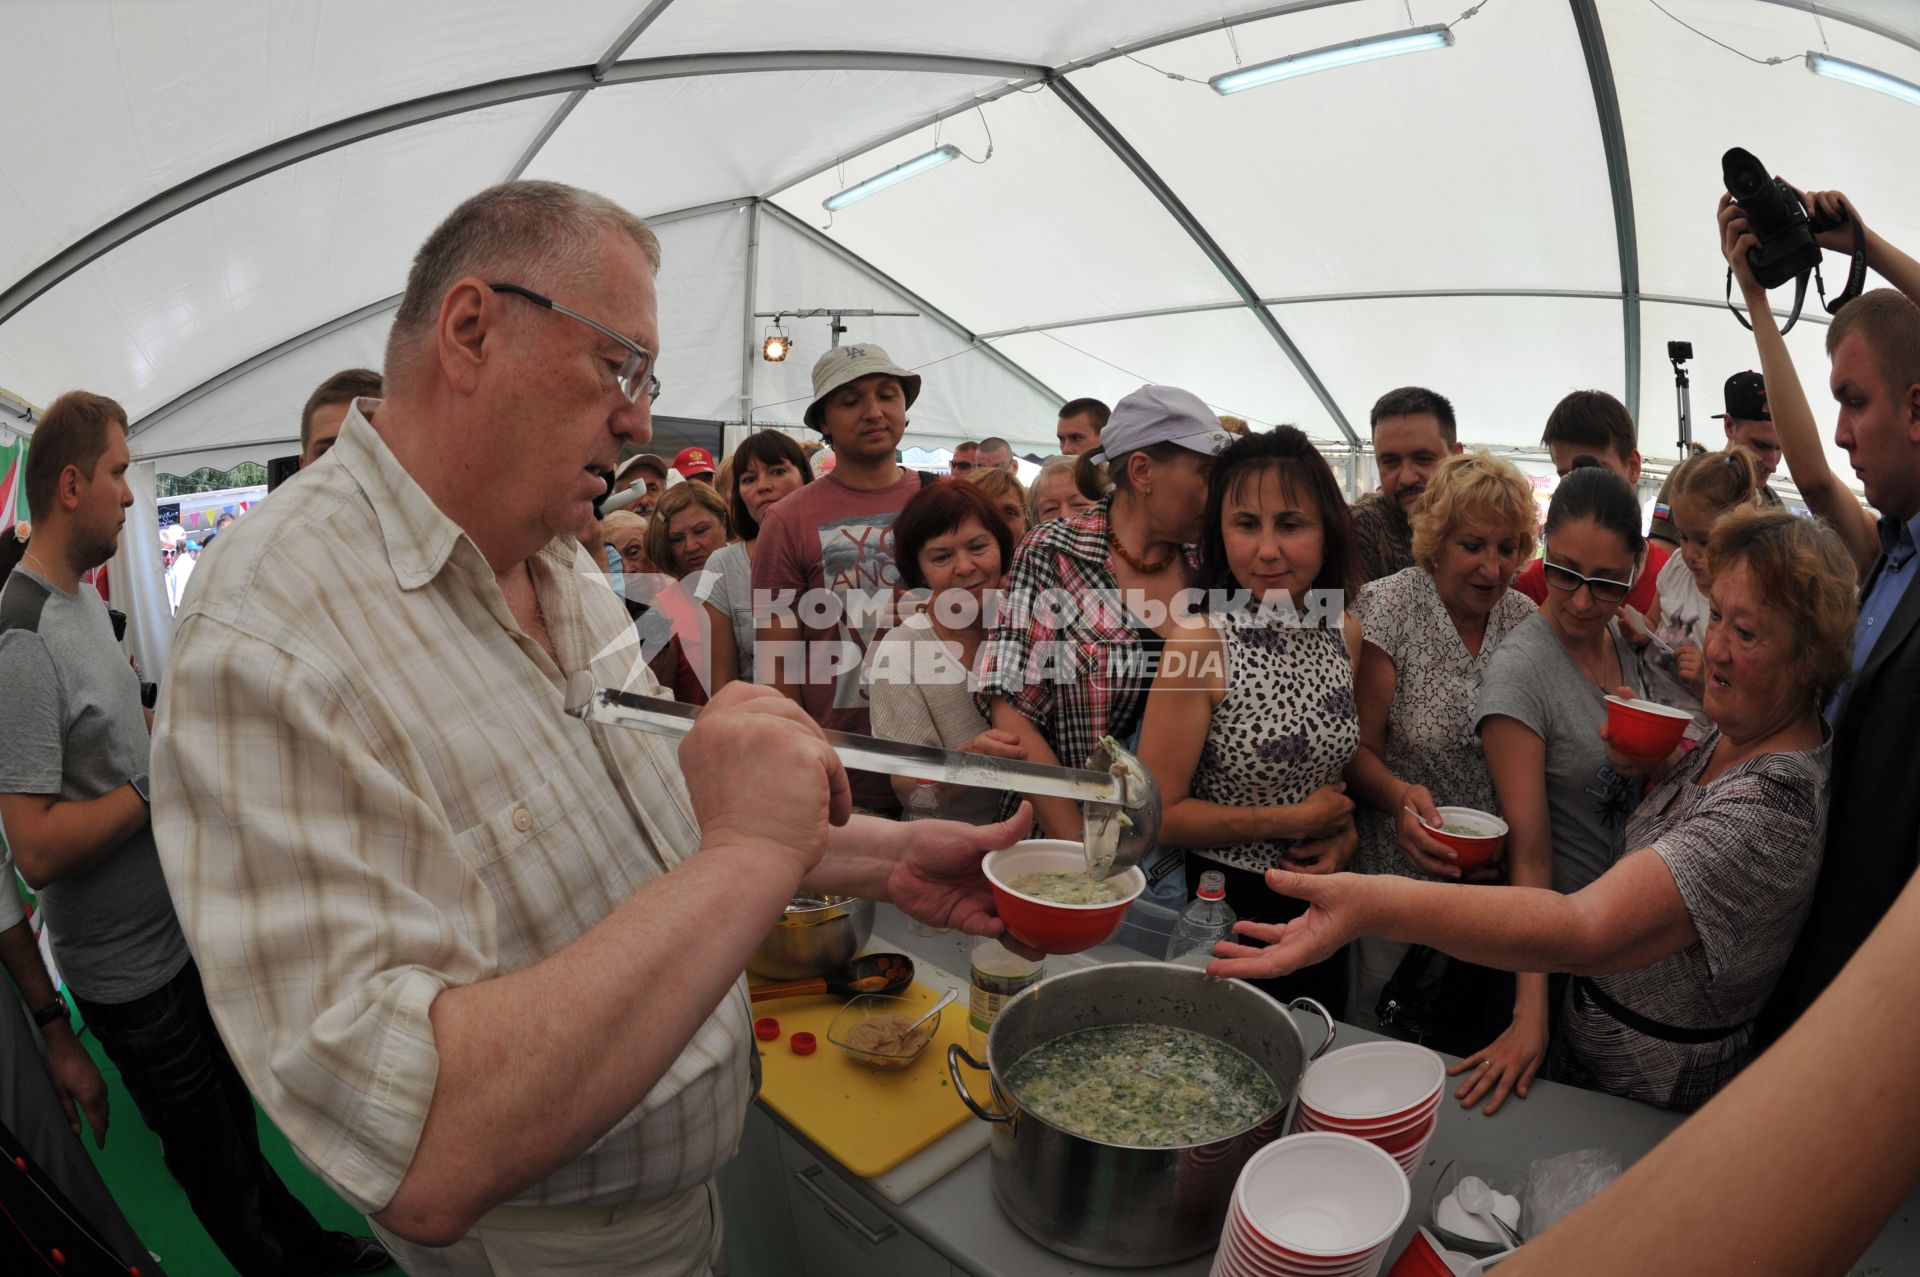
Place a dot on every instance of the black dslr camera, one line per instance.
(1779, 221)
(1786, 250)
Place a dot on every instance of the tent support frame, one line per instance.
(1613, 138)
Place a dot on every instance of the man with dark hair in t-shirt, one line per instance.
(73, 795)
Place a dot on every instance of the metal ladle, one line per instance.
(1118, 799)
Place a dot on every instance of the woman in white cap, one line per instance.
(1065, 667)
(827, 549)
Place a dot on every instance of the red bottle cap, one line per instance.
(802, 1043)
(766, 1028)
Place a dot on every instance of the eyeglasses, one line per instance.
(1604, 589)
(635, 375)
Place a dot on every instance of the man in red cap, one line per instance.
(695, 463)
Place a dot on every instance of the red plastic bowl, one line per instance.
(1042, 924)
(1643, 730)
(1474, 851)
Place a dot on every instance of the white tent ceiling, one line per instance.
(208, 205)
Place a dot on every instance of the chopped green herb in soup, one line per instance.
(1066, 888)
(1144, 1085)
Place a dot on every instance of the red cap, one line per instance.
(766, 1028)
(802, 1044)
(692, 461)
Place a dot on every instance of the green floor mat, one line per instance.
(156, 1207)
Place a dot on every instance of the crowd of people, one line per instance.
(438, 929)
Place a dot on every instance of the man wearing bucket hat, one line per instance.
(825, 554)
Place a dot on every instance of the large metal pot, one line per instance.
(814, 936)
(1107, 1203)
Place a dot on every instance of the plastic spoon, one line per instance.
(1477, 1199)
(932, 1011)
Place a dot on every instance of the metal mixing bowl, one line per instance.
(817, 934)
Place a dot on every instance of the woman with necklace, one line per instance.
(1092, 597)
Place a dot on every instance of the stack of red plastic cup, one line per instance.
(1313, 1205)
(1386, 1093)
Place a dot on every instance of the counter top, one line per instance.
(959, 1218)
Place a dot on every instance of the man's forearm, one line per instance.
(860, 855)
(537, 1065)
(20, 955)
(52, 840)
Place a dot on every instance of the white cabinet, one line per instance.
(838, 1232)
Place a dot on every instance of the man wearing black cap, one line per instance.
(1749, 424)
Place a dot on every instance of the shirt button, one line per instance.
(522, 819)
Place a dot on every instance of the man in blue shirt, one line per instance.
(1873, 825)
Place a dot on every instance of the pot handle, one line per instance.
(957, 1053)
(1317, 1009)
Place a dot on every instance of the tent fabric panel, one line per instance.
(1502, 361)
(1017, 30)
(964, 393)
(264, 404)
(1684, 102)
(134, 97)
(662, 145)
(260, 264)
(1721, 347)
(702, 289)
(1397, 174)
(1224, 356)
(1052, 227)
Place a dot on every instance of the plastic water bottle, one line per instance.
(924, 802)
(1203, 923)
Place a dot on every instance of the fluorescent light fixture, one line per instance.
(1418, 40)
(898, 173)
(1863, 77)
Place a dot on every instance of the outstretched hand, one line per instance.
(1316, 935)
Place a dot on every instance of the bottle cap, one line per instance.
(1213, 885)
(766, 1028)
(802, 1044)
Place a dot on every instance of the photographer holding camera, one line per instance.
(1823, 490)
(1874, 345)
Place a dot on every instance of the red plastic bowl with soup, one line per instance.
(1046, 925)
(1475, 837)
(1644, 731)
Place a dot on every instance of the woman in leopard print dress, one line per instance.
(1251, 720)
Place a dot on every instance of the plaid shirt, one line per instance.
(365, 791)
(1063, 650)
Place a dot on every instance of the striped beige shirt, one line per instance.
(365, 791)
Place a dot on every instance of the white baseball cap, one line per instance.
(1161, 414)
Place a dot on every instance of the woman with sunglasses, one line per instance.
(1541, 708)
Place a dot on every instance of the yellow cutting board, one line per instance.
(868, 1120)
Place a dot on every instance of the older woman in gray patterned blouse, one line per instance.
(1677, 945)
(1429, 632)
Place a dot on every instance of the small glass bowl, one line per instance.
(867, 1005)
(1503, 1179)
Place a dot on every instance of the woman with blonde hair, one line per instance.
(689, 524)
(1428, 633)
(1703, 488)
(1009, 499)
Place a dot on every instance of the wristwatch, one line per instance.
(142, 788)
(54, 1010)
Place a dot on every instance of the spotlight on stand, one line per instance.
(775, 347)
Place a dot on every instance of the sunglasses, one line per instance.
(1604, 589)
